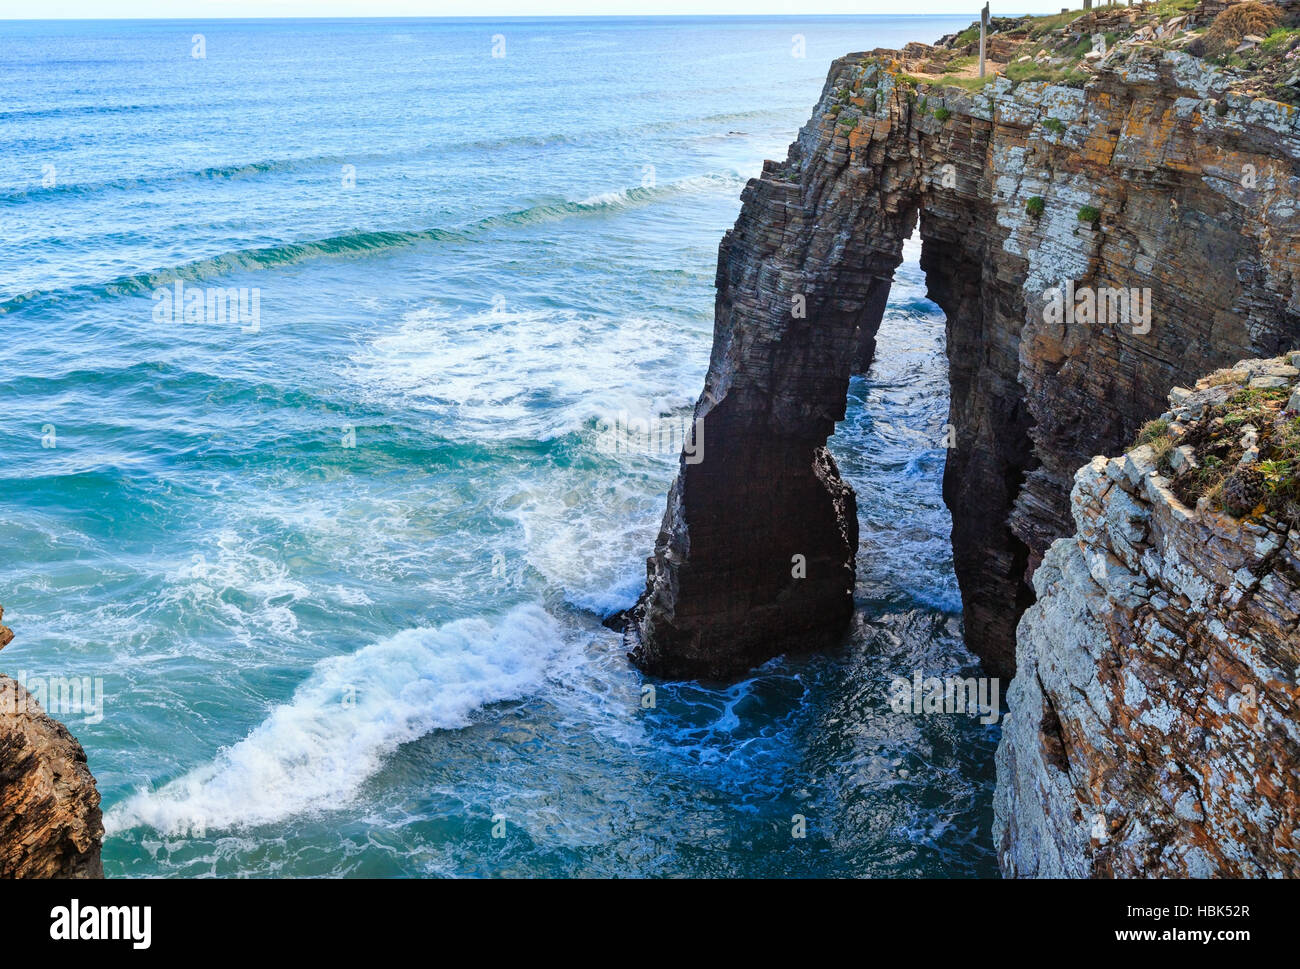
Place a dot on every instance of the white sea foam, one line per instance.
(233, 563)
(535, 374)
(606, 198)
(726, 181)
(317, 750)
(588, 536)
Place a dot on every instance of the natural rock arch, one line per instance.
(802, 281)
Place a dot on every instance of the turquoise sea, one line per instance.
(339, 562)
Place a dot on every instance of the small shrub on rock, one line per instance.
(1232, 25)
(1243, 491)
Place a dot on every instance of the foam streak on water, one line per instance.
(314, 752)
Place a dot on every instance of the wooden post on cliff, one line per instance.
(984, 26)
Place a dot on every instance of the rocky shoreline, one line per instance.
(50, 821)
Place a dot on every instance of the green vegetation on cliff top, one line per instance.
(1053, 49)
(1242, 456)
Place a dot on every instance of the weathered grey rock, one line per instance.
(1155, 734)
(1269, 382)
(1183, 459)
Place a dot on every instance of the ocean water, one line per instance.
(339, 562)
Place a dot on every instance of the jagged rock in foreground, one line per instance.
(1146, 171)
(50, 822)
(1155, 715)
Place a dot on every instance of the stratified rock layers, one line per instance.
(1197, 194)
(755, 556)
(50, 822)
(1155, 714)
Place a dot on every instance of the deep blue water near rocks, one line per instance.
(340, 564)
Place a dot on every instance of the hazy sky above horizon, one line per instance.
(200, 9)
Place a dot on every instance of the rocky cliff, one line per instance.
(50, 823)
(1155, 712)
(1152, 184)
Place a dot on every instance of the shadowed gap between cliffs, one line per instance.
(721, 594)
(990, 449)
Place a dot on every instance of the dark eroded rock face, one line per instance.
(50, 823)
(1197, 193)
(755, 556)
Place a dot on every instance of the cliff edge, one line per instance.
(1155, 713)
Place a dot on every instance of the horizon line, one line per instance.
(491, 17)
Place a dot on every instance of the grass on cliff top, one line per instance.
(1269, 486)
(1037, 27)
(1232, 25)
(1052, 34)
(1043, 25)
(1280, 39)
(1066, 76)
(967, 83)
(1162, 11)
(1168, 9)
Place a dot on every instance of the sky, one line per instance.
(203, 9)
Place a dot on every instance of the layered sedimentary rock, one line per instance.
(1154, 178)
(50, 822)
(756, 552)
(1155, 713)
